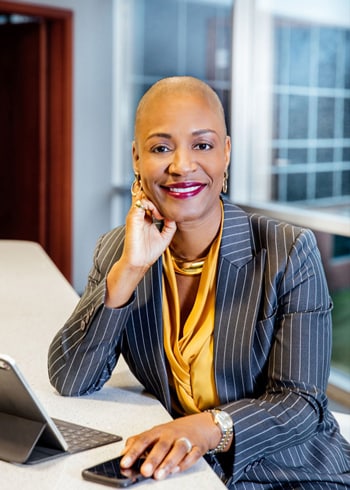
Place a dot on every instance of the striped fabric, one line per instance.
(272, 342)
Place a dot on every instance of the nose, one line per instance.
(182, 162)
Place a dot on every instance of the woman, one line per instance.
(225, 317)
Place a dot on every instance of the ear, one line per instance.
(227, 151)
(135, 157)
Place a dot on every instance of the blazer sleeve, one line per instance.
(291, 409)
(85, 351)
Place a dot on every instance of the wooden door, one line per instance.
(36, 128)
(21, 175)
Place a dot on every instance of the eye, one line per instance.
(160, 149)
(203, 146)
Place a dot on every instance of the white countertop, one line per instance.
(35, 301)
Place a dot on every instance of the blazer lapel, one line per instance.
(239, 286)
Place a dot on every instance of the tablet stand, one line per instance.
(18, 437)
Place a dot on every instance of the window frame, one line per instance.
(251, 119)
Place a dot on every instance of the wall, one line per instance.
(92, 125)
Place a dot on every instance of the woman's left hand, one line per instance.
(172, 447)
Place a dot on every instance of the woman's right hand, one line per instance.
(144, 244)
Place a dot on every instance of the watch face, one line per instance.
(224, 420)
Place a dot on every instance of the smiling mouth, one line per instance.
(184, 190)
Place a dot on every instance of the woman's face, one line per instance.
(181, 152)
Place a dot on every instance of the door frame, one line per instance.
(55, 133)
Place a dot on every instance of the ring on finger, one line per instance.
(139, 204)
(187, 443)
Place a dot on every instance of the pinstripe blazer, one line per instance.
(272, 340)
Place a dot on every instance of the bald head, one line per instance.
(175, 86)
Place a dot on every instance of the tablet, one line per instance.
(27, 433)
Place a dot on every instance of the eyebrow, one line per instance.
(198, 132)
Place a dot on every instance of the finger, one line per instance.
(142, 202)
(126, 447)
(129, 458)
(146, 208)
(134, 448)
(155, 457)
(190, 459)
(184, 442)
(168, 229)
(138, 204)
(175, 459)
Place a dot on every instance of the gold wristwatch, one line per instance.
(224, 421)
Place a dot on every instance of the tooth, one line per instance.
(185, 189)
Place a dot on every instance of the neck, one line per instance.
(192, 241)
(190, 248)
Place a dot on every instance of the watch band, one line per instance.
(225, 424)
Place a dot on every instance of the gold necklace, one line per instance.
(188, 268)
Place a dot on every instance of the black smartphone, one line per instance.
(110, 473)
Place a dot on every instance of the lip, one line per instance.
(184, 190)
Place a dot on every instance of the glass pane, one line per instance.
(341, 337)
(324, 155)
(160, 38)
(324, 184)
(325, 117)
(346, 127)
(299, 53)
(310, 113)
(341, 247)
(156, 39)
(327, 68)
(296, 187)
(346, 182)
(209, 31)
(299, 129)
(298, 117)
(347, 59)
(279, 100)
(297, 155)
(280, 45)
(335, 252)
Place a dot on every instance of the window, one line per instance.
(157, 39)
(311, 113)
(291, 130)
(289, 110)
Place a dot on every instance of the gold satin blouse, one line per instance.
(191, 356)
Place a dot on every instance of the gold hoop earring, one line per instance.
(224, 183)
(136, 186)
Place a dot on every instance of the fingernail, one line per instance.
(160, 474)
(126, 461)
(175, 470)
(147, 469)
